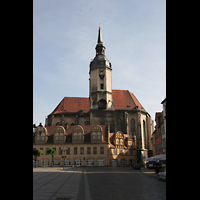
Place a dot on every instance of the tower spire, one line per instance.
(100, 36)
(100, 48)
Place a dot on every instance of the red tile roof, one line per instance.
(72, 105)
(123, 100)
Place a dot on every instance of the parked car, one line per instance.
(162, 175)
(136, 166)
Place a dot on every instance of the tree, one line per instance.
(37, 153)
(52, 153)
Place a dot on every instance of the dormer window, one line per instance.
(77, 134)
(59, 135)
(96, 134)
(41, 135)
(119, 140)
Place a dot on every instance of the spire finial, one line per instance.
(100, 35)
(99, 24)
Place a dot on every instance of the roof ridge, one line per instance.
(77, 97)
(136, 99)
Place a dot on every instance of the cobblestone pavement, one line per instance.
(93, 183)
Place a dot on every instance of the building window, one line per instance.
(121, 142)
(38, 137)
(90, 162)
(100, 162)
(67, 162)
(94, 150)
(88, 150)
(101, 86)
(54, 149)
(115, 151)
(80, 137)
(144, 134)
(101, 150)
(77, 134)
(60, 151)
(82, 150)
(56, 138)
(77, 162)
(46, 151)
(96, 134)
(75, 150)
(132, 127)
(68, 151)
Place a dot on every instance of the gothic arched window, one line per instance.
(132, 127)
(144, 134)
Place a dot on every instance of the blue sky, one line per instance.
(64, 39)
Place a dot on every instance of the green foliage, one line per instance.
(37, 153)
(52, 153)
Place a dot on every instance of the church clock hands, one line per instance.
(101, 74)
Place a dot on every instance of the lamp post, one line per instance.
(65, 149)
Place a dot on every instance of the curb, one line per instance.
(153, 174)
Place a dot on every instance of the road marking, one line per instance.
(87, 188)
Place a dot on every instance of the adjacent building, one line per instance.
(159, 135)
(113, 127)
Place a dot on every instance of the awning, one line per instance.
(157, 157)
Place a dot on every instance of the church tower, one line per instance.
(100, 82)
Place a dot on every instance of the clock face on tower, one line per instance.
(101, 73)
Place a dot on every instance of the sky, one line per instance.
(65, 34)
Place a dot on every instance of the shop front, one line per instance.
(101, 162)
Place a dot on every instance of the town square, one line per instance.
(94, 183)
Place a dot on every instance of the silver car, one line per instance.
(162, 175)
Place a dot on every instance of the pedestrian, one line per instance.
(73, 167)
(76, 167)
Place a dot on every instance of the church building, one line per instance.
(111, 122)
